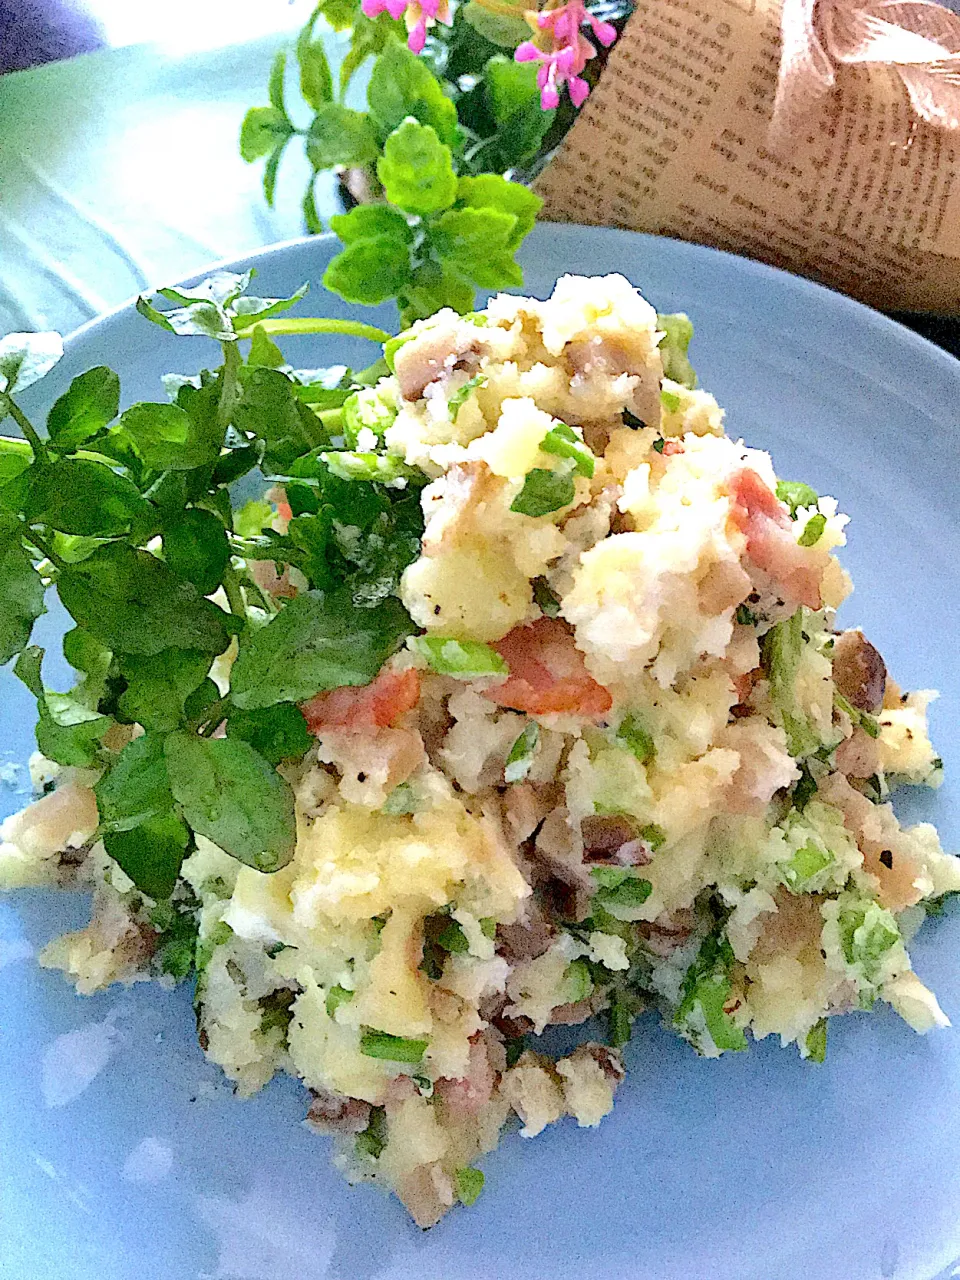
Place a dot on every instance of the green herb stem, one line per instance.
(29, 434)
(322, 324)
(13, 444)
(231, 585)
(228, 393)
(44, 549)
(213, 716)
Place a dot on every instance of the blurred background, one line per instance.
(37, 31)
(120, 170)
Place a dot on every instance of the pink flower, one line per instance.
(569, 53)
(418, 15)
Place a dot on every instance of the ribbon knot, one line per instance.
(918, 39)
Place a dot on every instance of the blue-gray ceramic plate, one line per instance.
(124, 1156)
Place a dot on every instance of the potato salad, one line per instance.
(528, 708)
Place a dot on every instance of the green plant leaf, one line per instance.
(370, 36)
(136, 786)
(491, 191)
(371, 222)
(76, 743)
(79, 496)
(369, 271)
(21, 599)
(270, 171)
(416, 170)
(316, 82)
(264, 350)
(434, 285)
(402, 85)
(167, 438)
(131, 602)
(25, 358)
(278, 732)
(196, 548)
(228, 792)
(91, 403)
(340, 14)
(340, 136)
(246, 310)
(151, 854)
(476, 243)
(316, 642)
(158, 686)
(278, 71)
(262, 130)
(513, 98)
(200, 319)
(499, 28)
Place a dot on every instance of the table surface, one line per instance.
(119, 171)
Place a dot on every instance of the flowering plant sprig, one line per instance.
(460, 99)
(568, 50)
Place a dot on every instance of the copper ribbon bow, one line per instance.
(919, 39)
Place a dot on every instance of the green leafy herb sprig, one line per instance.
(128, 517)
(439, 230)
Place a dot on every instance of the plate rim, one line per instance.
(884, 324)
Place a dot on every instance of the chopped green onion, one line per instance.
(658, 444)
(577, 982)
(515, 1047)
(544, 598)
(864, 719)
(705, 992)
(424, 1085)
(620, 887)
(337, 996)
(442, 936)
(869, 725)
(670, 400)
(633, 734)
(620, 1020)
(654, 836)
(520, 760)
(379, 468)
(677, 331)
(364, 409)
(796, 494)
(402, 799)
(380, 1044)
(812, 531)
(805, 789)
(465, 659)
(469, 1184)
(866, 934)
(805, 865)
(374, 1138)
(544, 492)
(816, 1041)
(463, 394)
(781, 650)
(563, 442)
(452, 938)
